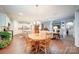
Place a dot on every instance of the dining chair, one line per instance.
(44, 45)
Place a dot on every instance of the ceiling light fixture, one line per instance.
(36, 5)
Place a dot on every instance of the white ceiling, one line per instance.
(29, 13)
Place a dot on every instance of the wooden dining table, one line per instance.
(36, 38)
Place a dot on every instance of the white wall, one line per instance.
(77, 28)
(15, 27)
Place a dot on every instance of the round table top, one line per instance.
(37, 37)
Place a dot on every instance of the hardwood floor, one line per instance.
(17, 46)
(63, 46)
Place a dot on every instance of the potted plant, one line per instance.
(4, 39)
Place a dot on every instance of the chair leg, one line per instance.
(45, 51)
